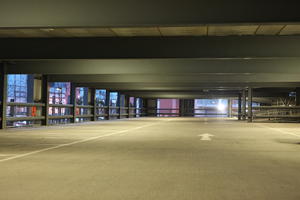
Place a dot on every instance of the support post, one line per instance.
(45, 99)
(156, 112)
(119, 105)
(244, 102)
(250, 94)
(181, 106)
(3, 95)
(127, 105)
(240, 106)
(135, 109)
(93, 102)
(108, 104)
(229, 106)
(297, 96)
(73, 101)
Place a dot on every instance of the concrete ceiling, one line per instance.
(207, 30)
(164, 48)
(170, 78)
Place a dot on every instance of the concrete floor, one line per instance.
(152, 158)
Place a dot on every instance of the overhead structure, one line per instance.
(163, 49)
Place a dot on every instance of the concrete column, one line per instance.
(119, 105)
(250, 94)
(73, 101)
(297, 96)
(45, 99)
(244, 102)
(145, 107)
(240, 107)
(93, 102)
(181, 107)
(127, 105)
(151, 107)
(107, 104)
(188, 107)
(3, 94)
(30, 89)
(229, 108)
(192, 106)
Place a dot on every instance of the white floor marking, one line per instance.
(206, 136)
(278, 130)
(4, 155)
(80, 141)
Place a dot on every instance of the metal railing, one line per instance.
(276, 112)
(34, 113)
(176, 112)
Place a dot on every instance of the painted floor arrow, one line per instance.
(206, 136)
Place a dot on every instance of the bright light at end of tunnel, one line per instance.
(221, 107)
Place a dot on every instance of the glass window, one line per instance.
(59, 93)
(82, 95)
(101, 97)
(113, 99)
(17, 88)
(168, 107)
(211, 107)
(131, 102)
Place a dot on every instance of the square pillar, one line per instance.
(3, 94)
(244, 102)
(181, 108)
(107, 105)
(119, 105)
(229, 106)
(93, 103)
(240, 107)
(127, 105)
(73, 101)
(45, 99)
(250, 94)
(297, 96)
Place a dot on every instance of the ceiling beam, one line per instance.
(150, 47)
(157, 66)
(179, 78)
(186, 86)
(200, 94)
(103, 13)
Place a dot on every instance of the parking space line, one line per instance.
(122, 132)
(279, 130)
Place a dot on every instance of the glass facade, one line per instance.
(131, 102)
(113, 102)
(20, 90)
(168, 107)
(82, 94)
(138, 105)
(17, 88)
(131, 106)
(211, 107)
(82, 99)
(59, 93)
(100, 98)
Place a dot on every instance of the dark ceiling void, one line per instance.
(151, 47)
(141, 13)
